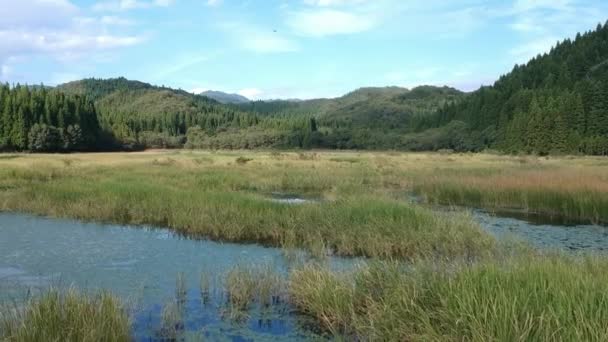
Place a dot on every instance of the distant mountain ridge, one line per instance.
(225, 98)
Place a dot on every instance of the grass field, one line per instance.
(457, 282)
(362, 209)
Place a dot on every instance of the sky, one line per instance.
(269, 49)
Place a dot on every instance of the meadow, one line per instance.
(431, 274)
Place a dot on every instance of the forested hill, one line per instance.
(41, 119)
(225, 98)
(138, 114)
(367, 118)
(556, 103)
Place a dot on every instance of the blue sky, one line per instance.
(280, 48)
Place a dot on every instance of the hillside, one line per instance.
(225, 98)
(367, 118)
(140, 114)
(137, 113)
(556, 103)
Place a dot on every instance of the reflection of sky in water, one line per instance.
(541, 234)
(539, 230)
(139, 264)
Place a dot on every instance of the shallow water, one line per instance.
(140, 265)
(542, 233)
(292, 199)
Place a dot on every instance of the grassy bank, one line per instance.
(221, 197)
(519, 299)
(70, 316)
(571, 189)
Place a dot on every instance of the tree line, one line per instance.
(39, 119)
(556, 103)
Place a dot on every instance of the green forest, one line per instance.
(43, 120)
(557, 103)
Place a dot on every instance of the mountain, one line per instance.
(555, 103)
(367, 118)
(225, 98)
(138, 113)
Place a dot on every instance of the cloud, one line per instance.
(416, 75)
(251, 93)
(318, 23)
(541, 23)
(116, 21)
(214, 3)
(524, 52)
(182, 63)
(125, 5)
(60, 78)
(319, 18)
(5, 72)
(27, 30)
(333, 3)
(198, 90)
(258, 39)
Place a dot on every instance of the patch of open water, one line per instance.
(141, 266)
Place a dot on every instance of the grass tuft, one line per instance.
(70, 316)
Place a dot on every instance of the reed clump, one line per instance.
(66, 316)
(539, 298)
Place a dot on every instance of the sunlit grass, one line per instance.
(358, 214)
(69, 316)
(526, 298)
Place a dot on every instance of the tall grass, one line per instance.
(70, 316)
(221, 202)
(562, 192)
(246, 285)
(528, 298)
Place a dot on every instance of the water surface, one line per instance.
(140, 265)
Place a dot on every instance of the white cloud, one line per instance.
(27, 30)
(327, 22)
(60, 78)
(251, 93)
(198, 90)
(527, 5)
(182, 63)
(125, 5)
(331, 3)
(524, 52)
(5, 72)
(416, 75)
(214, 3)
(541, 23)
(115, 21)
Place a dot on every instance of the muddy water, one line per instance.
(141, 265)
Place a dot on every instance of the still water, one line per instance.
(140, 265)
(544, 233)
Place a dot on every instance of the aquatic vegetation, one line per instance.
(527, 297)
(248, 284)
(360, 216)
(172, 325)
(69, 316)
(562, 189)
